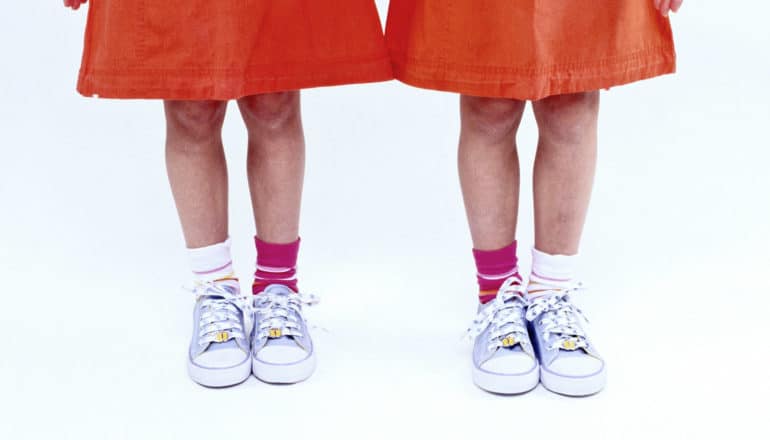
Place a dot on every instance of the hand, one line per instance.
(664, 6)
(74, 4)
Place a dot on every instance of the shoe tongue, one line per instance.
(512, 299)
(217, 295)
(230, 287)
(278, 289)
(544, 294)
(231, 290)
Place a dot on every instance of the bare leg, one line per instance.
(276, 163)
(564, 169)
(563, 178)
(489, 168)
(197, 171)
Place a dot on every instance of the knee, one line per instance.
(271, 112)
(491, 118)
(196, 121)
(567, 118)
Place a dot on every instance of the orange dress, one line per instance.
(527, 49)
(225, 49)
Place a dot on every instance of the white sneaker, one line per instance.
(282, 351)
(504, 360)
(569, 363)
(219, 349)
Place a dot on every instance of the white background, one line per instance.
(94, 325)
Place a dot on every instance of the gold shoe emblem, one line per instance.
(569, 344)
(509, 341)
(275, 333)
(222, 336)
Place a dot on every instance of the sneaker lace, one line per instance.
(281, 312)
(558, 318)
(504, 314)
(221, 312)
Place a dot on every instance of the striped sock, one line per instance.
(212, 263)
(276, 264)
(493, 268)
(550, 272)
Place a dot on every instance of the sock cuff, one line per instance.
(212, 258)
(277, 254)
(553, 267)
(504, 256)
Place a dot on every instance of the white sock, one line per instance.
(211, 263)
(551, 272)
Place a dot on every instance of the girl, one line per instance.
(195, 56)
(499, 54)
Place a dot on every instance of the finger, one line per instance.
(676, 4)
(657, 4)
(664, 7)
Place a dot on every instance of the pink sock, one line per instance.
(276, 264)
(493, 268)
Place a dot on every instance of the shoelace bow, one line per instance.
(504, 314)
(281, 312)
(221, 311)
(558, 318)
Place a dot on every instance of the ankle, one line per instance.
(493, 268)
(212, 263)
(551, 272)
(276, 264)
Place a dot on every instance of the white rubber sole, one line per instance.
(284, 373)
(219, 377)
(506, 383)
(575, 386)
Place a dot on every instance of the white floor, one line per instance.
(94, 323)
